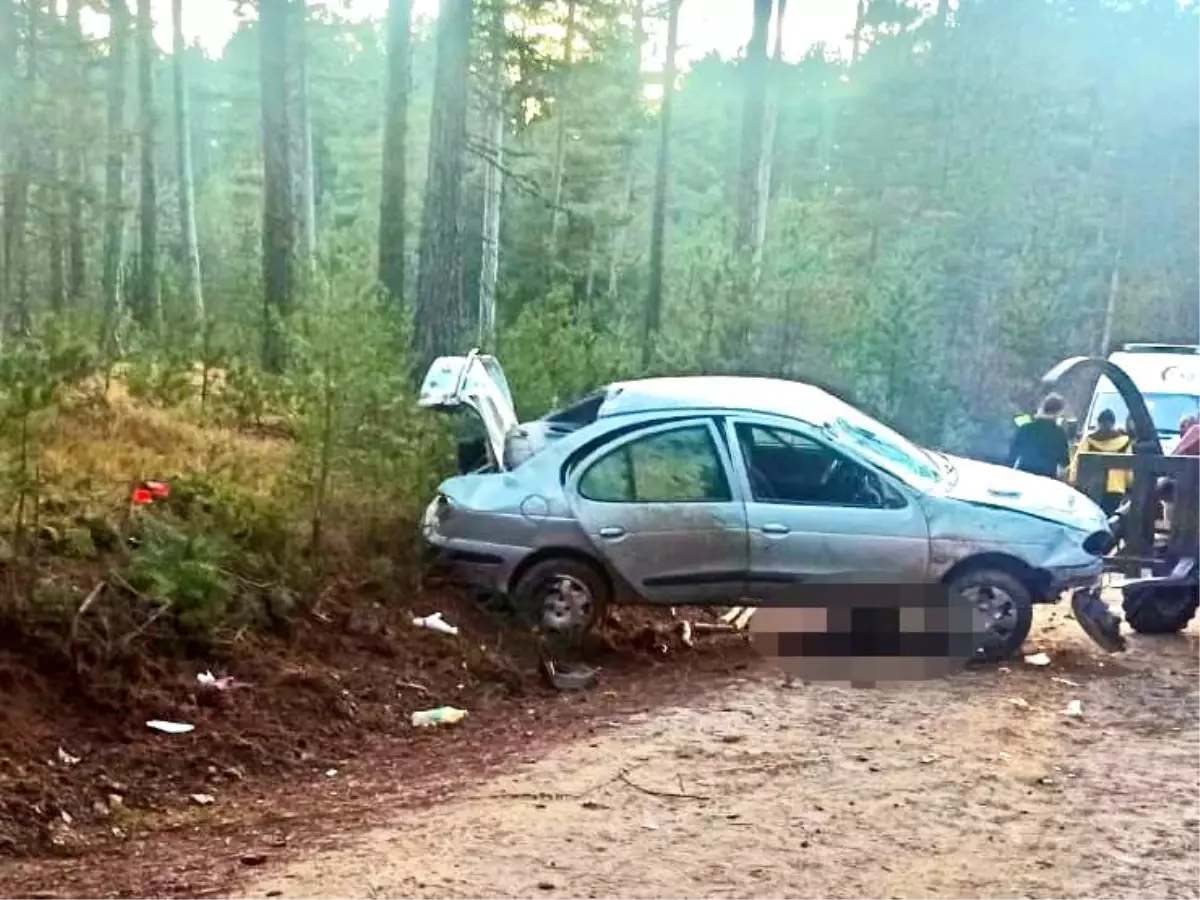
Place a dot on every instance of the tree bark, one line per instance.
(10, 131)
(190, 255)
(441, 314)
(114, 177)
(767, 157)
(392, 230)
(753, 122)
(658, 220)
(279, 222)
(561, 104)
(493, 182)
(300, 137)
(77, 162)
(16, 199)
(146, 311)
(617, 257)
(860, 19)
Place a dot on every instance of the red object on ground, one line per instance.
(158, 488)
(142, 497)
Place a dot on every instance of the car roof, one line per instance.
(775, 396)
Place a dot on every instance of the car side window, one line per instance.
(786, 467)
(677, 466)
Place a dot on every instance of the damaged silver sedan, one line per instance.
(720, 490)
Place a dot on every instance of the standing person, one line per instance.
(1040, 445)
(1106, 438)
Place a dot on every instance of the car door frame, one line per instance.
(777, 585)
(718, 586)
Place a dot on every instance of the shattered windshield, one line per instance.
(887, 448)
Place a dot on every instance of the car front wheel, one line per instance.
(1002, 612)
(561, 596)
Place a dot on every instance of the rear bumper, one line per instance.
(483, 566)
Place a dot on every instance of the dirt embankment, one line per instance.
(700, 776)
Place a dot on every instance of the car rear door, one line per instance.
(815, 514)
(661, 508)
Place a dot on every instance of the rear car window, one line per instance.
(678, 466)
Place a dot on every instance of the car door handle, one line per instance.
(612, 531)
(775, 528)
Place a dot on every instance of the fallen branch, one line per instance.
(653, 792)
(93, 594)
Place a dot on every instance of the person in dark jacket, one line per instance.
(1040, 446)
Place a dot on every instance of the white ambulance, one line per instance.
(1168, 376)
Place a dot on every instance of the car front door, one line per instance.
(661, 507)
(815, 514)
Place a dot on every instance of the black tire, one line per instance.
(1160, 610)
(1003, 640)
(541, 600)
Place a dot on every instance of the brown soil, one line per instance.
(700, 775)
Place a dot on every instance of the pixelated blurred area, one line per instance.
(865, 635)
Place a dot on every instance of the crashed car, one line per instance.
(727, 490)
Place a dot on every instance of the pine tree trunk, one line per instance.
(192, 284)
(300, 138)
(860, 18)
(620, 233)
(114, 177)
(753, 121)
(146, 310)
(493, 183)
(16, 198)
(77, 163)
(392, 230)
(767, 157)
(9, 132)
(560, 136)
(279, 219)
(441, 314)
(658, 219)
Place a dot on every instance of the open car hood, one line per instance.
(477, 382)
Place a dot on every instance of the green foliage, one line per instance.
(182, 570)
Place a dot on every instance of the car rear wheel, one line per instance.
(1002, 609)
(561, 596)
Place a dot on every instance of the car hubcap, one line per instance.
(995, 612)
(567, 605)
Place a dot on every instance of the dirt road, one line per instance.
(943, 789)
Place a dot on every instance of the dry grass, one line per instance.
(95, 443)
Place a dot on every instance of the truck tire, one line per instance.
(1004, 600)
(1162, 609)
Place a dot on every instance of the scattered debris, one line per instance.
(1019, 702)
(546, 885)
(435, 622)
(170, 727)
(331, 773)
(685, 634)
(1038, 659)
(203, 799)
(66, 758)
(931, 758)
(1067, 681)
(66, 817)
(208, 680)
(731, 738)
(443, 715)
(253, 859)
(580, 678)
(1074, 709)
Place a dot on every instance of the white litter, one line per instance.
(1019, 702)
(170, 727)
(203, 799)
(331, 773)
(209, 680)
(435, 622)
(1038, 659)
(1074, 710)
(66, 758)
(685, 634)
(1067, 681)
